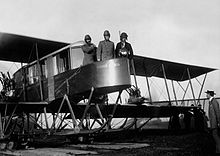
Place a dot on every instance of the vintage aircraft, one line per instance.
(52, 94)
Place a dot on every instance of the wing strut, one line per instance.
(190, 82)
(201, 89)
(134, 72)
(41, 83)
(174, 92)
(165, 79)
(148, 84)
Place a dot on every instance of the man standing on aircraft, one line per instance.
(106, 48)
(123, 48)
(89, 50)
(214, 118)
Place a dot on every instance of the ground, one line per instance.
(165, 143)
(146, 143)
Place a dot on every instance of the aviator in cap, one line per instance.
(87, 37)
(124, 35)
(106, 33)
(210, 92)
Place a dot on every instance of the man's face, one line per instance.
(208, 95)
(107, 37)
(88, 41)
(123, 39)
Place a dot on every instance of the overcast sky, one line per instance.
(186, 31)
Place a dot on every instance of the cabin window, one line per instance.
(76, 57)
(51, 66)
(62, 60)
(32, 74)
(43, 69)
(18, 76)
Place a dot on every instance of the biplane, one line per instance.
(52, 94)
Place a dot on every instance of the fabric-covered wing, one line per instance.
(145, 66)
(19, 48)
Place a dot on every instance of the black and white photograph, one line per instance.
(109, 78)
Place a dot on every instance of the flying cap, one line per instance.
(124, 35)
(106, 33)
(87, 37)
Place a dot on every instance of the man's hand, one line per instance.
(93, 46)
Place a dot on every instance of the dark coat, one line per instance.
(214, 113)
(89, 53)
(127, 48)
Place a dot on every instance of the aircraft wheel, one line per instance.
(10, 145)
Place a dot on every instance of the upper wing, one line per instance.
(19, 48)
(145, 66)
